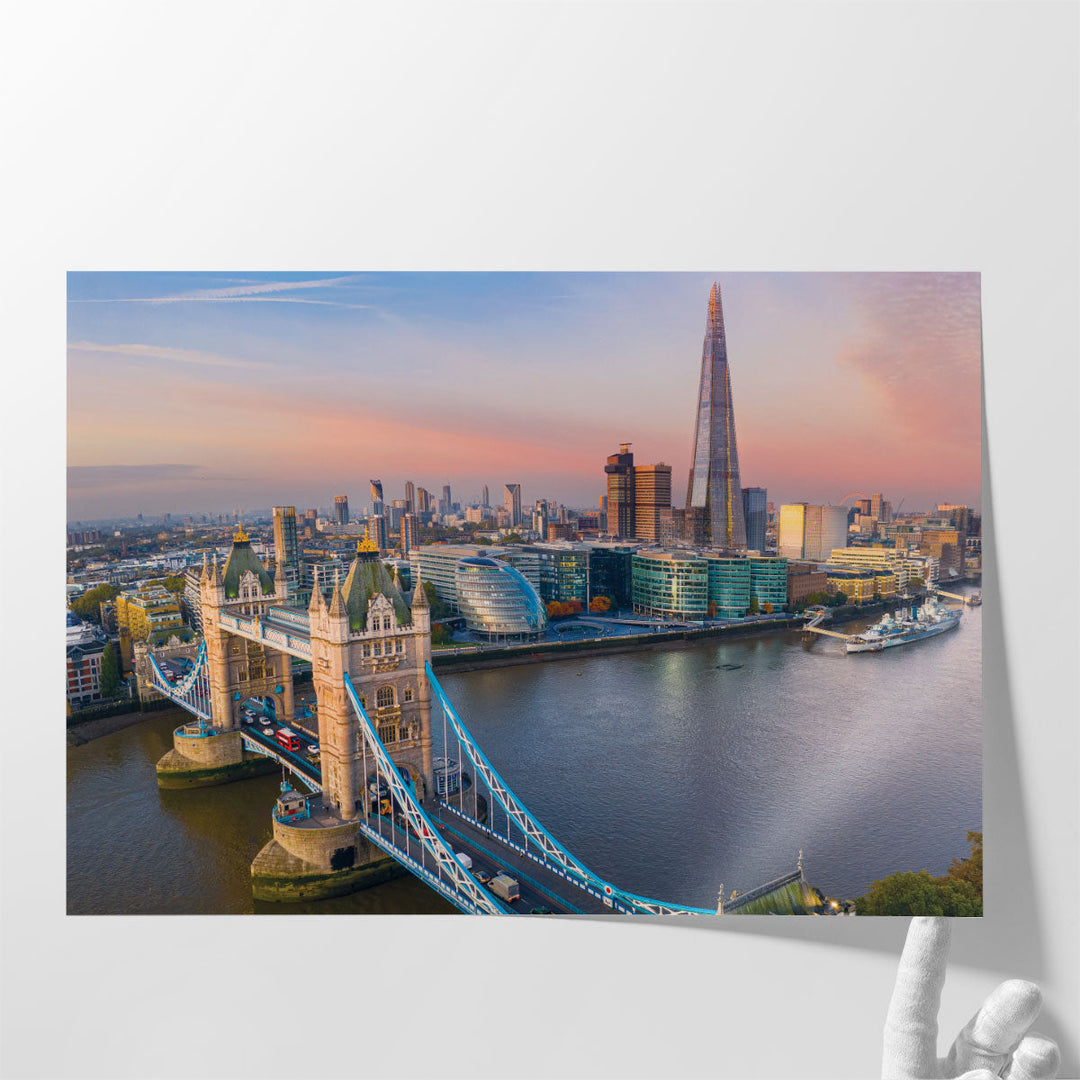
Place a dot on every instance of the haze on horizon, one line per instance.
(205, 392)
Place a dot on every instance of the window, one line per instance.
(384, 697)
(367, 650)
(386, 622)
(377, 648)
(407, 695)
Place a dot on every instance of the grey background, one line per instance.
(532, 136)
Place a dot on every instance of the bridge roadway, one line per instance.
(540, 886)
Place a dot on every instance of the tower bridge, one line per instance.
(367, 804)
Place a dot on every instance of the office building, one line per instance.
(755, 514)
(284, 525)
(377, 505)
(375, 529)
(410, 496)
(563, 572)
(512, 502)
(85, 649)
(670, 585)
(611, 573)
(729, 586)
(497, 602)
(620, 493)
(768, 583)
(341, 510)
(409, 533)
(652, 500)
(803, 581)
(540, 518)
(811, 532)
(445, 503)
(484, 502)
(714, 507)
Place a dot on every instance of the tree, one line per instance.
(439, 609)
(711, 610)
(755, 607)
(484, 540)
(441, 635)
(176, 583)
(513, 538)
(957, 893)
(600, 604)
(88, 606)
(110, 671)
(767, 608)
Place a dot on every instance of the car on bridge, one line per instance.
(313, 749)
(482, 876)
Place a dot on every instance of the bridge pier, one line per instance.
(316, 858)
(203, 757)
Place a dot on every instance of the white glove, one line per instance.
(994, 1043)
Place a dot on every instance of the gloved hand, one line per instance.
(994, 1043)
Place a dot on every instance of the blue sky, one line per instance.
(192, 392)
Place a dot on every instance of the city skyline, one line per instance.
(291, 388)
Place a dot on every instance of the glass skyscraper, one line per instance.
(754, 514)
(714, 505)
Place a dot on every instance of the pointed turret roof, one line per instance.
(337, 604)
(366, 578)
(419, 597)
(316, 603)
(205, 575)
(241, 560)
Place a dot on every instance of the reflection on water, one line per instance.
(667, 772)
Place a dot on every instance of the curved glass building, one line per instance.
(497, 601)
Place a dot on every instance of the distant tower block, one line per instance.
(714, 506)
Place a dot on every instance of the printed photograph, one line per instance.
(524, 593)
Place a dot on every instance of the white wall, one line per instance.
(809, 136)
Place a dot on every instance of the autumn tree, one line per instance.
(600, 604)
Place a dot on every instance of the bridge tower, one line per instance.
(238, 669)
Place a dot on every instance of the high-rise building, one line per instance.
(341, 510)
(620, 492)
(512, 502)
(652, 499)
(376, 497)
(376, 531)
(714, 509)
(484, 497)
(540, 517)
(285, 546)
(394, 513)
(447, 503)
(811, 532)
(755, 501)
(423, 500)
(409, 533)
(410, 496)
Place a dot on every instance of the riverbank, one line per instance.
(541, 652)
(88, 730)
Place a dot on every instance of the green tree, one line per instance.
(110, 671)
(175, 583)
(439, 609)
(957, 893)
(513, 538)
(441, 635)
(755, 607)
(88, 606)
(484, 540)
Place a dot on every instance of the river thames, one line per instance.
(670, 772)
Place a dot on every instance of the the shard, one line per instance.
(714, 505)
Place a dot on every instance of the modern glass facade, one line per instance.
(620, 492)
(714, 506)
(497, 601)
(768, 582)
(564, 573)
(611, 571)
(729, 587)
(754, 511)
(670, 585)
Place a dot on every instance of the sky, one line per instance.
(194, 393)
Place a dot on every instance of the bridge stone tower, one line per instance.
(240, 669)
(367, 631)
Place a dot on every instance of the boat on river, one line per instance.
(906, 625)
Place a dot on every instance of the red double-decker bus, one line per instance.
(288, 738)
